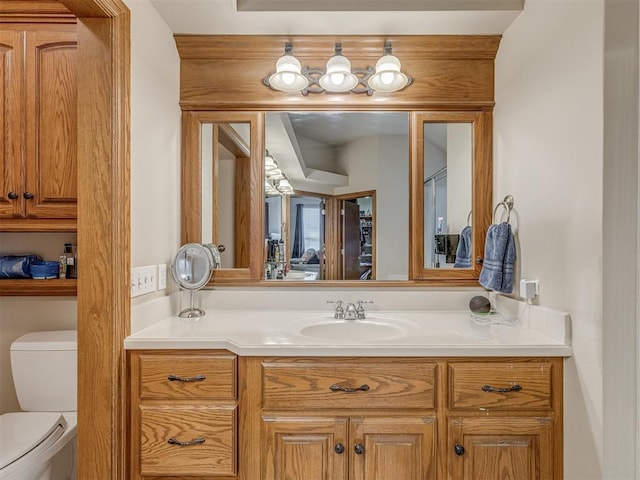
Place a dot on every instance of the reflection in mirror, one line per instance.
(448, 155)
(225, 157)
(335, 157)
(306, 231)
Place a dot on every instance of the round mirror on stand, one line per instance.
(192, 269)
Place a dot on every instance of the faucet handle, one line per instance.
(360, 310)
(339, 309)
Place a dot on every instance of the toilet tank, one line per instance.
(45, 371)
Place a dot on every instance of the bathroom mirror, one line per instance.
(339, 159)
(357, 165)
(447, 194)
(221, 193)
(450, 193)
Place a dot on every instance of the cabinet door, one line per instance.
(500, 448)
(305, 448)
(51, 122)
(11, 161)
(394, 447)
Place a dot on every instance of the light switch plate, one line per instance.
(143, 280)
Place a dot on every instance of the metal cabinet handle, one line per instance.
(514, 388)
(195, 441)
(221, 248)
(459, 450)
(358, 448)
(175, 378)
(339, 388)
(339, 448)
(27, 195)
(12, 195)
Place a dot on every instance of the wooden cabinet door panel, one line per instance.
(11, 155)
(500, 449)
(304, 448)
(394, 447)
(51, 122)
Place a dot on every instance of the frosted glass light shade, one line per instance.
(269, 163)
(388, 77)
(288, 76)
(338, 77)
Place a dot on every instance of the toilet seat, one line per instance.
(28, 433)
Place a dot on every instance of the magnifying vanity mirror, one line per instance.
(191, 269)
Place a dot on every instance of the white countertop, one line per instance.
(539, 332)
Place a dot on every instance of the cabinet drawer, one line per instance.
(211, 431)
(299, 384)
(500, 386)
(188, 376)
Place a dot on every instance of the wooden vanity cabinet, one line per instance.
(504, 419)
(349, 418)
(183, 415)
(38, 127)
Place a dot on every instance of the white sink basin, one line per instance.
(374, 327)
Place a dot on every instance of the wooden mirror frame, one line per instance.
(249, 222)
(221, 77)
(481, 193)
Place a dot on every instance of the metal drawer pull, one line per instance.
(358, 448)
(195, 441)
(513, 388)
(197, 378)
(458, 449)
(339, 388)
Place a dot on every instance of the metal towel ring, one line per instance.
(469, 219)
(507, 204)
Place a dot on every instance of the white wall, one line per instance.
(155, 139)
(621, 241)
(548, 155)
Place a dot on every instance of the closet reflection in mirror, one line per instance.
(225, 163)
(348, 218)
(448, 154)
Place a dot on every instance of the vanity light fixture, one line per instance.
(338, 76)
(275, 182)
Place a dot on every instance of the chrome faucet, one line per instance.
(351, 313)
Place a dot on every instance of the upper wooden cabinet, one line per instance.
(38, 118)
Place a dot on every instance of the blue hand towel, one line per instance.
(499, 259)
(463, 253)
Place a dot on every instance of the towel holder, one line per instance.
(507, 204)
(469, 218)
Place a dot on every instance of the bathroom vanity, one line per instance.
(222, 398)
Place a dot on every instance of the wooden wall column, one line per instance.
(103, 233)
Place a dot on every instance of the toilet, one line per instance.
(39, 442)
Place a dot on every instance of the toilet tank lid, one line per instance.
(50, 340)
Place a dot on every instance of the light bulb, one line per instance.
(288, 78)
(387, 78)
(337, 78)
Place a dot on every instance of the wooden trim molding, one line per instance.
(225, 72)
